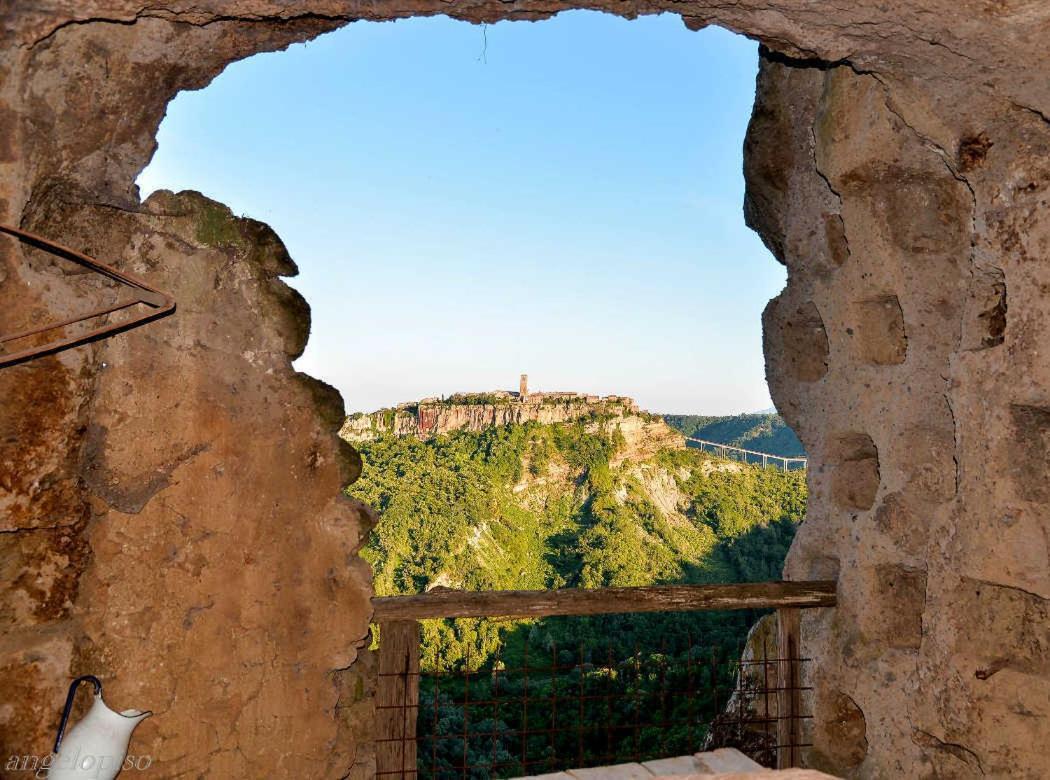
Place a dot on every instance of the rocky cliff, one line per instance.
(475, 412)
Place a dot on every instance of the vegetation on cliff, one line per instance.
(761, 432)
(569, 505)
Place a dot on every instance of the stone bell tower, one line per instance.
(523, 387)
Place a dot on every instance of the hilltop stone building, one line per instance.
(476, 411)
(170, 496)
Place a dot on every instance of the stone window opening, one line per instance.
(893, 152)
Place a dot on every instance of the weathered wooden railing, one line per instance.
(753, 457)
(399, 675)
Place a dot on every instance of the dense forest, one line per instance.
(761, 432)
(599, 502)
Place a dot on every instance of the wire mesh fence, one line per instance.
(555, 707)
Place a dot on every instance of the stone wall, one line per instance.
(170, 496)
(213, 583)
(904, 353)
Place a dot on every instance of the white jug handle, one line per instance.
(69, 703)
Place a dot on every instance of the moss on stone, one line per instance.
(267, 249)
(217, 227)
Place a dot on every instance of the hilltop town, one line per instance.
(477, 411)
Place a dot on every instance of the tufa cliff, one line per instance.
(477, 411)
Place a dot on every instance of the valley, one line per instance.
(608, 498)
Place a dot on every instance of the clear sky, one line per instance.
(465, 204)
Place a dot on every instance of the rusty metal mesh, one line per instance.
(563, 708)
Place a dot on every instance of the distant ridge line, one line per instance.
(723, 450)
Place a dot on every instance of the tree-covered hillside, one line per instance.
(599, 502)
(761, 432)
(568, 505)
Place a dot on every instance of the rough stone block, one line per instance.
(1004, 628)
(926, 454)
(855, 471)
(804, 343)
(1030, 452)
(898, 600)
(842, 728)
(901, 524)
(879, 331)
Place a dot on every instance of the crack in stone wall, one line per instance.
(896, 154)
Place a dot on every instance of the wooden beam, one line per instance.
(789, 681)
(603, 601)
(397, 699)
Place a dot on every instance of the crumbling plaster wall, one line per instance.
(169, 496)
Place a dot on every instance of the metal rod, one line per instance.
(160, 302)
(68, 321)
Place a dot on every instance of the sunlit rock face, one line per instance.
(433, 417)
(928, 428)
(170, 496)
(222, 609)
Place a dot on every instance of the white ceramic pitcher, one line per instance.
(95, 747)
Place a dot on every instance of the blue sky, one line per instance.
(561, 198)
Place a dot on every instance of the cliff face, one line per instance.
(615, 501)
(475, 413)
